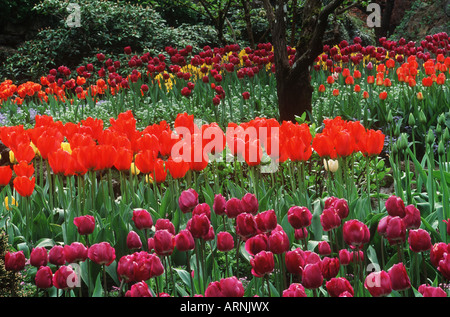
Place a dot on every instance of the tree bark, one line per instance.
(386, 15)
(248, 22)
(294, 90)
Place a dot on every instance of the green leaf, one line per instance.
(98, 290)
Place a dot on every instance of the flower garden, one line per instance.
(170, 175)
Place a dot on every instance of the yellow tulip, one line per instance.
(134, 170)
(9, 205)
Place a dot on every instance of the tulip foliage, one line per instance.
(220, 199)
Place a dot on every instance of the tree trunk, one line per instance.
(385, 19)
(248, 22)
(294, 97)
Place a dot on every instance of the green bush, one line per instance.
(106, 27)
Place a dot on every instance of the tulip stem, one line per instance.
(104, 281)
(268, 285)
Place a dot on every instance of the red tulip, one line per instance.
(419, 240)
(202, 209)
(355, 233)
(299, 217)
(165, 224)
(225, 241)
(278, 241)
(39, 257)
(56, 255)
(262, 263)
(102, 253)
(399, 277)
(378, 284)
(444, 266)
(133, 240)
(24, 169)
(330, 219)
(338, 285)
(14, 261)
(392, 228)
(294, 290)
(226, 287)
(412, 218)
(431, 291)
(164, 242)
(312, 277)
(437, 252)
(246, 225)
(256, 244)
(184, 240)
(5, 175)
(85, 224)
(140, 289)
(324, 248)
(249, 204)
(395, 207)
(65, 278)
(44, 277)
(266, 221)
(295, 261)
(341, 207)
(188, 200)
(177, 169)
(198, 225)
(142, 219)
(330, 267)
(219, 204)
(344, 257)
(447, 222)
(75, 252)
(233, 207)
(24, 186)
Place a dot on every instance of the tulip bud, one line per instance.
(419, 240)
(411, 120)
(399, 277)
(402, 142)
(389, 118)
(312, 277)
(422, 118)
(441, 148)
(133, 241)
(446, 135)
(324, 248)
(225, 241)
(430, 137)
(44, 277)
(378, 284)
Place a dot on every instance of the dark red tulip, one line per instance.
(202, 209)
(225, 241)
(419, 240)
(355, 233)
(338, 285)
(412, 217)
(233, 207)
(184, 241)
(188, 200)
(324, 248)
(312, 277)
(165, 224)
(299, 217)
(256, 244)
(249, 204)
(278, 241)
(44, 277)
(56, 255)
(65, 278)
(142, 219)
(246, 225)
(226, 287)
(198, 225)
(133, 241)
(75, 252)
(294, 290)
(395, 207)
(102, 253)
(399, 277)
(344, 257)
(295, 261)
(139, 289)
(330, 267)
(39, 257)
(378, 284)
(444, 266)
(330, 219)
(341, 207)
(437, 252)
(431, 291)
(219, 204)
(85, 224)
(164, 242)
(393, 229)
(266, 221)
(262, 263)
(14, 261)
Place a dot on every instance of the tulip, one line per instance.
(395, 207)
(24, 186)
(133, 240)
(299, 217)
(300, 234)
(142, 219)
(188, 200)
(294, 290)
(295, 261)
(378, 284)
(330, 267)
(266, 221)
(431, 291)
(65, 278)
(198, 225)
(355, 233)
(278, 241)
(399, 277)
(419, 240)
(256, 244)
(233, 207)
(341, 207)
(330, 219)
(56, 255)
(202, 209)
(184, 241)
(102, 253)
(249, 204)
(393, 228)
(447, 222)
(344, 257)
(14, 261)
(85, 224)
(226, 287)
(39, 257)
(225, 241)
(219, 204)
(412, 218)
(437, 253)
(5, 175)
(246, 225)
(139, 289)
(324, 248)
(165, 224)
(444, 266)
(339, 285)
(312, 277)
(262, 263)
(44, 277)
(164, 242)
(75, 252)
